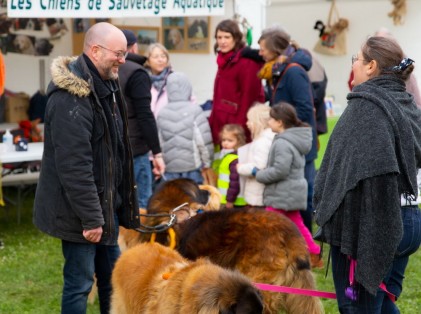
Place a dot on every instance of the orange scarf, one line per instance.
(266, 71)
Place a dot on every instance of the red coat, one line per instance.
(237, 87)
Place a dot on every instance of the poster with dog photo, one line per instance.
(56, 27)
(174, 39)
(145, 35)
(28, 45)
(186, 34)
(28, 24)
(198, 33)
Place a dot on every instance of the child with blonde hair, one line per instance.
(257, 152)
(285, 185)
(232, 136)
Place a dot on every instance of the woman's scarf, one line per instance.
(159, 81)
(364, 145)
(266, 71)
(224, 58)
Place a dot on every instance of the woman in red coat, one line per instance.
(237, 86)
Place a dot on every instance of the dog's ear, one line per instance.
(231, 310)
(203, 197)
(213, 201)
(249, 301)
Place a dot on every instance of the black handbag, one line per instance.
(319, 235)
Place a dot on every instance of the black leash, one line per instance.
(161, 227)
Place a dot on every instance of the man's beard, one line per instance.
(112, 75)
(109, 74)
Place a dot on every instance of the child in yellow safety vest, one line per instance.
(232, 136)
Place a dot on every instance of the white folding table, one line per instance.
(20, 180)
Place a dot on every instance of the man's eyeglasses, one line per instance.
(354, 58)
(118, 54)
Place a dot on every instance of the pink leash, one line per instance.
(283, 289)
(382, 286)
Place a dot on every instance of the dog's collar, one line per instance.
(158, 228)
(163, 226)
(171, 234)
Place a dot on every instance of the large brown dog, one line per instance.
(152, 279)
(169, 195)
(265, 246)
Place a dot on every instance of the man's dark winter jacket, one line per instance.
(76, 188)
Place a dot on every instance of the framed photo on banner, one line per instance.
(186, 34)
(146, 35)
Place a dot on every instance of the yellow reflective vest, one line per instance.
(224, 180)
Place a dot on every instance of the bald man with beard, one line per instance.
(86, 188)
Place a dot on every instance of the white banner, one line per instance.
(113, 8)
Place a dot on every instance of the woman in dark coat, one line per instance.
(237, 86)
(370, 164)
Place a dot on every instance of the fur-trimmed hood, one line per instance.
(67, 74)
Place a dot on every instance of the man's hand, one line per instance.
(93, 235)
(158, 165)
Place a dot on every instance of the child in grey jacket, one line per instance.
(184, 132)
(285, 186)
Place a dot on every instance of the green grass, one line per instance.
(408, 303)
(323, 139)
(31, 275)
(30, 266)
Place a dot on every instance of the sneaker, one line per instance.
(316, 261)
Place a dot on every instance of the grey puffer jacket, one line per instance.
(285, 185)
(184, 131)
(76, 187)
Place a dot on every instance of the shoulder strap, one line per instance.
(290, 65)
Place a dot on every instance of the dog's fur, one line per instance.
(43, 47)
(175, 38)
(265, 246)
(150, 279)
(176, 192)
(167, 196)
(24, 45)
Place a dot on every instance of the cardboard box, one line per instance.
(16, 107)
